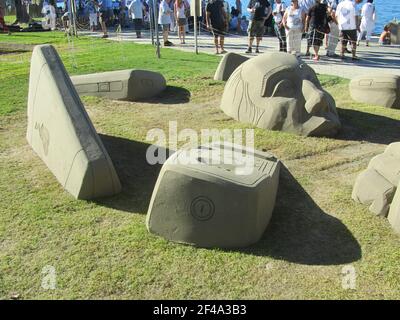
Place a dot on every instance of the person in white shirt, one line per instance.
(293, 21)
(164, 18)
(180, 14)
(135, 10)
(367, 25)
(49, 12)
(332, 38)
(346, 17)
(278, 13)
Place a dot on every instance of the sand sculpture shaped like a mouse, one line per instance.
(276, 91)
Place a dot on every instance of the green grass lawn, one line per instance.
(101, 249)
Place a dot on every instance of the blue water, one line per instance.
(386, 10)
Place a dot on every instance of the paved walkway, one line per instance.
(373, 59)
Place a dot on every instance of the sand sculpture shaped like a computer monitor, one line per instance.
(61, 133)
(204, 197)
(276, 91)
(376, 89)
(130, 85)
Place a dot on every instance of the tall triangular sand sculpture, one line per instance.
(378, 89)
(377, 185)
(228, 64)
(61, 133)
(214, 196)
(130, 85)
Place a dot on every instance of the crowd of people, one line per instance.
(319, 21)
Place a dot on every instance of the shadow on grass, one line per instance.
(137, 177)
(301, 232)
(171, 95)
(363, 126)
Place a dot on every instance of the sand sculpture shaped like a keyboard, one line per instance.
(130, 85)
(377, 186)
(214, 196)
(377, 89)
(61, 133)
(276, 91)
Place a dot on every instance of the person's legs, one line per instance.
(103, 20)
(353, 39)
(368, 36)
(333, 39)
(180, 33)
(297, 36)
(278, 35)
(221, 43)
(138, 27)
(344, 43)
(258, 40)
(289, 41)
(260, 29)
(316, 51)
(250, 31)
(216, 43)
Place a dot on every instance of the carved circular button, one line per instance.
(202, 208)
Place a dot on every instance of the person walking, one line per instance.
(239, 16)
(260, 11)
(106, 13)
(136, 9)
(3, 25)
(317, 26)
(180, 15)
(164, 18)
(217, 23)
(346, 17)
(278, 12)
(306, 5)
(367, 25)
(333, 36)
(92, 9)
(293, 21)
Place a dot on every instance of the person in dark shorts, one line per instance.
(217, 20)
(259, 10)
(317, 26)
(105, 14)
(346, 17)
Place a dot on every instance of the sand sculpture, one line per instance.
(276, 91)
(131, 85)
(228, 64)
(378, 89)
(377, 185)
(61, 133)
(204, 197)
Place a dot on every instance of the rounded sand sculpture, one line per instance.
(377, 186)
(378, 89)
(228, 64)
(276, 91)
